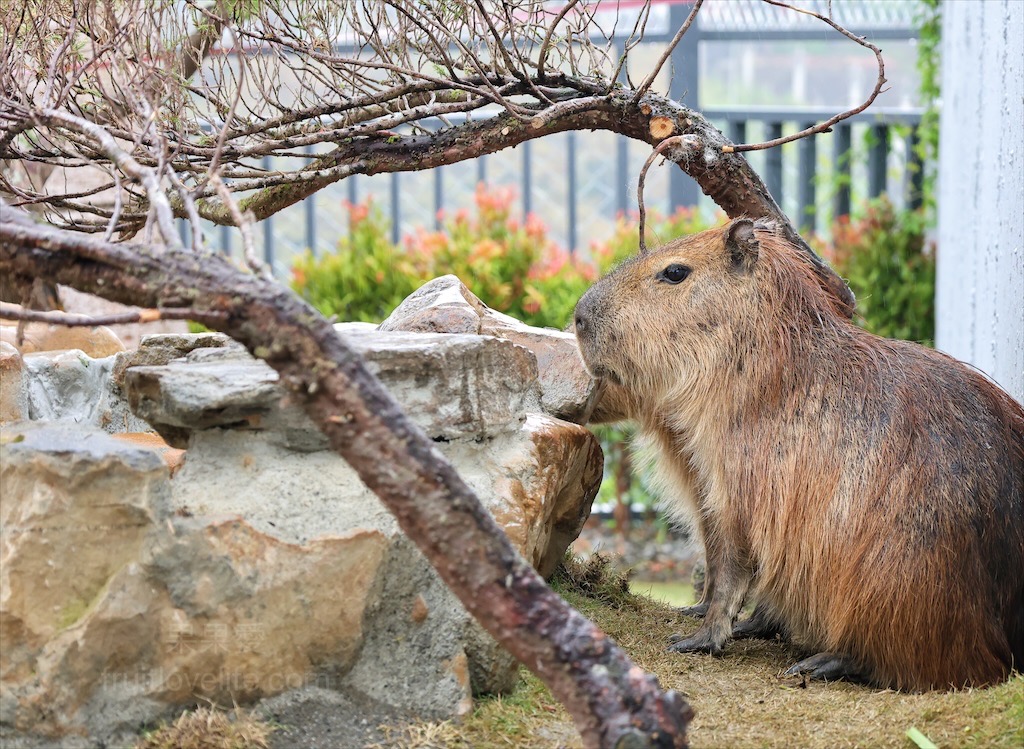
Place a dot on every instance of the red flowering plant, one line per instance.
(514, 267)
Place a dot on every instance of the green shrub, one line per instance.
(365, 279)
(890, 266)
(513, 267)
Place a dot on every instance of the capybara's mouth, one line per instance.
(601, 372)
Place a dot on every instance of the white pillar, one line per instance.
(980, 288)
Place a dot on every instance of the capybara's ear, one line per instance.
(741, 244)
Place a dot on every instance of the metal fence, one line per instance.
(578, 183)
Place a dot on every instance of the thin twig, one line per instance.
(674, 140)
(51, 76)
(244, 221)
(649, 80)
(189, 205)
(69, 320)
(543, 54)
(118, 205)
(827, 125)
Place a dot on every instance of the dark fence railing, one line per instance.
(831, 170)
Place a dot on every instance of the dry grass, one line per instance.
(739, 699)
(210, 728)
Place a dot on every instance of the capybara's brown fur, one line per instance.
(868, 493)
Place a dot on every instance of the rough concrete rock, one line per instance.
(155, 350)
(71, 386)
(265, 565)
(115, 610)
(446, 305)
(538, 482)
(452, 386)
(13, 399)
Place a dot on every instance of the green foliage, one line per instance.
(929, 46)
(890, 266)
(513, 267)
(365, 279)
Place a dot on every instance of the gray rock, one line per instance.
(446, 305)
(182, 397)
(443, 305)
(155, 350)
(414, 654)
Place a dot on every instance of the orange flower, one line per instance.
(357, 212)
(535, 227)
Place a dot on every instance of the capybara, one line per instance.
(867, 493)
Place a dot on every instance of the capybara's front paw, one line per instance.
(700, 642)
(760, 625)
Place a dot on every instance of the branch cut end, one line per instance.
(661, 127)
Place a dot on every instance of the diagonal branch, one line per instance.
(612, 701)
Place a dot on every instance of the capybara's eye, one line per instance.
(674, 273)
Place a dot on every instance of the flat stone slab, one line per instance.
(452, 386)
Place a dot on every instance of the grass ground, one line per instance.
(739, 699)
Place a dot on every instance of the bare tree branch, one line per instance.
(649, 80)
(674, 141)
(411, 86)
(825, 126)
(12, 312)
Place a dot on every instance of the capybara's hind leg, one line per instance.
(826, 667)
(760, 625)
